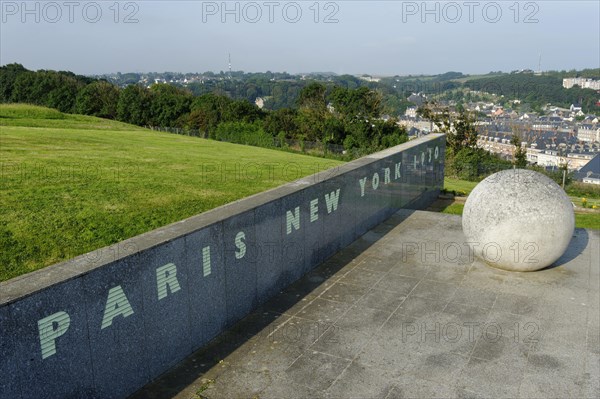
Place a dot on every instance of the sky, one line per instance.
(379, 38)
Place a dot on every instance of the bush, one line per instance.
(244, 133)
(556, 175)
(579, 189)
(281, 143)
(473, 164)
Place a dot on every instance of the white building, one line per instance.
(588, 133)
(370, 78)
(411, 112)
(425, 126)
(581, 82)
(548, 158)
(578, 161)
(591, 180)
(552, 158)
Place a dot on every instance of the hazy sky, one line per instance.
(375, 37)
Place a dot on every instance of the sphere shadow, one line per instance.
(578, 243)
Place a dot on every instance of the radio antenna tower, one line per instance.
(229, 65)
(540, 64)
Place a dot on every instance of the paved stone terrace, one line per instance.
(405, 313)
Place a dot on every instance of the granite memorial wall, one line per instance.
(106, 323)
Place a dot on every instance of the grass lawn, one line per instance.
(582, 220)
(590, 201)
(454, 209)
(587, 220)
(34, 116)
(463, 187)
(70, 184)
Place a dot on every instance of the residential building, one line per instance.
(588, 133)
(590, 172)
(581, 82)
(411, 112)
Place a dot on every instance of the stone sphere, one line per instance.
(518, 220)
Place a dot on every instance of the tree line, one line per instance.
(281, 90)
(464, 158)
(334, 114)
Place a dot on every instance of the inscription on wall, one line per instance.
(51, 328)
(104, 326)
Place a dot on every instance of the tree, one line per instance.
(313, 111)
(459, 127)
(519, 153)
(244, 133)
(392, 134)
(360, 103)
(281, 120)
(334, 131)
(210, 110)
(312, 98)
(99, 99)
(134, 105)
(465, 133)
(8, 75)
(242, 111)
(47, 88)
(23, 88)
(463, 158)
(207, 112)
(63, 98)
(168, 104)
(311, 124)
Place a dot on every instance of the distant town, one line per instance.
(555, 136)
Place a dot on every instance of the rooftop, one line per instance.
(406, 312)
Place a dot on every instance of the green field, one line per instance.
(461, 187)
(464, 187)
(34, 116)
(582, 220)
(70, 184)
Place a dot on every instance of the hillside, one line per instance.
(35, 116)
(70, 184)
(536, 90)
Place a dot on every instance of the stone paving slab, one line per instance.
(405, 312)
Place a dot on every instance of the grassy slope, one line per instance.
(34, 116)
(583, 220)
(85, 182)
(475, 77)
